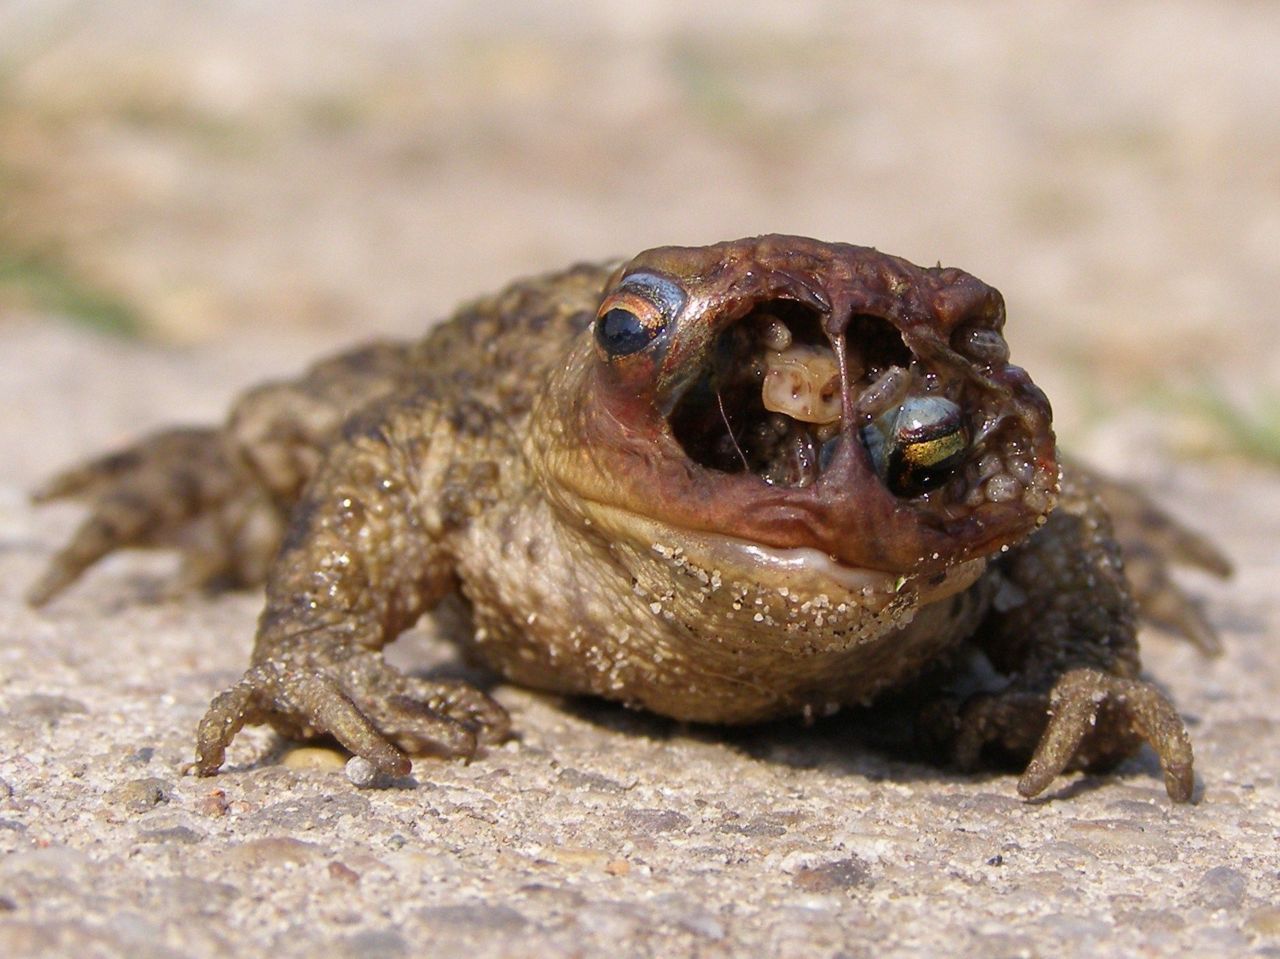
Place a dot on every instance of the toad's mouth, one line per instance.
(779, 394)
(833, 399)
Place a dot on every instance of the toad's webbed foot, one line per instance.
(179, 488)
(1088, 720)
(372, 709)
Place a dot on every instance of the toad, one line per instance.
(765, 478)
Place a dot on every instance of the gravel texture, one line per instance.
(265, 182)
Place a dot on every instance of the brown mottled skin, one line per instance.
(524, 455)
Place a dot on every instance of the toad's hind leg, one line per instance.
(1063, 631)
(181, 488)
(365, 556)
(218, 495)
(1153, 543)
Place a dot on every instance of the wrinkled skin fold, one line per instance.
(731, 483)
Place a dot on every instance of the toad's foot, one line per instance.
(373, 710)
(1089, 719)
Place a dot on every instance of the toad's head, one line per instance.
(804, 402)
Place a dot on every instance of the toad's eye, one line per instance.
(916, 446)
(638, 313)
(621, 332)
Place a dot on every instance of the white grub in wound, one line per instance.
(804, 383)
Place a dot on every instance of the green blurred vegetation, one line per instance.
(744, 90)
(1224, 426)
(1200, 418)
(46, 282)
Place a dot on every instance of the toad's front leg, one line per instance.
(365, 556)
(1063, 630)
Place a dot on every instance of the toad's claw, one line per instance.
(388, 718)
(1077, 703)
(269, 692)
(1088, 720)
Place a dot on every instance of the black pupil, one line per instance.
(620, 332)
(911, 479)
(906, 479)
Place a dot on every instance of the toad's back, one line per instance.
(499, 350)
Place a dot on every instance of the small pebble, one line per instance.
(214, 803)
(172, 836)
(343, 873)
(140, 757)
(361, 773)
(842, 874)
(312, 757)
(1222, 888)
(140, 795)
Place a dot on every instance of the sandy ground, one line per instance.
(260, 184)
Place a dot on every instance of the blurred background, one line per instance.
(268, 181)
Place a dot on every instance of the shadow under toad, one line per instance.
(875, 744)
